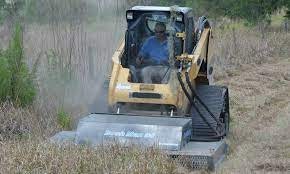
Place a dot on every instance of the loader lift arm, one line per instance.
(190, 67)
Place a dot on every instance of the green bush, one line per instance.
(5, 78)
(16, 82)
(64, 119)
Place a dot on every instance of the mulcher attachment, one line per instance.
(169, 134)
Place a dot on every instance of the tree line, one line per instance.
(253, 11)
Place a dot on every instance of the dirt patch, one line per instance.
(268, 167)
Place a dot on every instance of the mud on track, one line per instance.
(260, 119)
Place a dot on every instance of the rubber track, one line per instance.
(213, 97)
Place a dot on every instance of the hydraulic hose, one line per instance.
(199, 99)
(193, 104)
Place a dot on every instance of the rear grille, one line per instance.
(145, 95)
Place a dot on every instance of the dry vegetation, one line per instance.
(258, 79)
(234, 48)
(260, 118)
(34, 157)
(18, 123)
(256, 70)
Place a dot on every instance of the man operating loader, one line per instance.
(155, 49)
(154, 56)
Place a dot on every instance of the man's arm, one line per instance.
(143, 53)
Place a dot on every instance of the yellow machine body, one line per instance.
(120, 89)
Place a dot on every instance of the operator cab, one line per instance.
(141, 22)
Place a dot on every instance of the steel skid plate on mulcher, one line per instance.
(169, 134)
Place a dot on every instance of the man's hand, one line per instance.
(139, 61)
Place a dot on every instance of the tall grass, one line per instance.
(72, 50)
(75, 54)
(234, 48)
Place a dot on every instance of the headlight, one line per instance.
(130, 15)
(179, 18)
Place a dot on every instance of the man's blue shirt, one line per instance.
(155, 50)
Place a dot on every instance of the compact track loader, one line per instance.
(184, 115)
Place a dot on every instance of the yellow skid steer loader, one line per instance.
(180, 112)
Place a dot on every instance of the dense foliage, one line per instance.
(253, 11)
